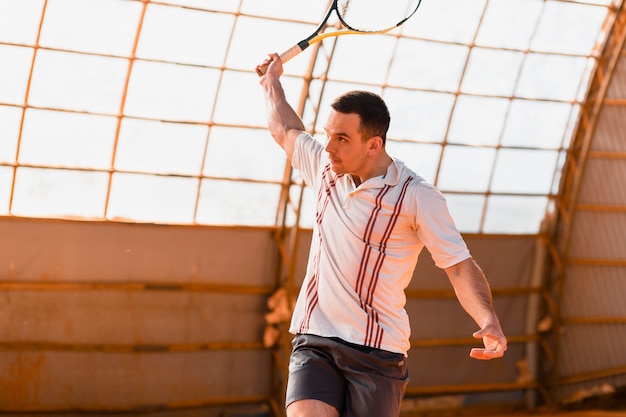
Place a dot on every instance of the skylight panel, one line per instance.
(538, 124)
(524, 171)
(10, 121)
(59, 193)
(63, 139)
(466, 210)
(466, 169)
(171, 92)
(551, 77)
(240, 100)
(446, 20)
(492, 72)
(184, 36)
(514, 214)
(78, 82)
(509, 23)
(14, 70)
(417, 115)
(358, 58)
(19, 21)
(478, 120)
(155, 147)
(99, 26)
(568, 28)
(427, 65)
(237, 203)
(263, 159)
(150, 198)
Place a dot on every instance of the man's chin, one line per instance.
(337, 169)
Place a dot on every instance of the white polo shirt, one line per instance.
(365, 245)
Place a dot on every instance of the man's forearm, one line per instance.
(473, 291)
(281, 117)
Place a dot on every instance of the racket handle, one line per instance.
(285, 56)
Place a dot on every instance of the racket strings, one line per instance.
(375, 15)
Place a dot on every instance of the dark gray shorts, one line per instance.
(358, 381)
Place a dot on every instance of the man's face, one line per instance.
(345, 146)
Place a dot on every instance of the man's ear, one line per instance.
(375, 144)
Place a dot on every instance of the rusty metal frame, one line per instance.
(560, 234)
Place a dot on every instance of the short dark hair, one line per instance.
(370, 107)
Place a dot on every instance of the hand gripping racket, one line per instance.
(356, 17)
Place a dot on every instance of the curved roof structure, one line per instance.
(150, 111)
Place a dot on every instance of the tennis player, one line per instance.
(373, 217)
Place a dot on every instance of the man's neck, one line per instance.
(378, 168)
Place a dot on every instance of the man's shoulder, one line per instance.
(409, 176)
(417, 187)
(304, 141)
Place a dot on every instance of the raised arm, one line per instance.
(283, 122)
(473, 292)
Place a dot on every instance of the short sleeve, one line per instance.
(307, 158)
(436, 228)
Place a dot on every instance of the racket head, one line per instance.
(358, 17)
(370, 16)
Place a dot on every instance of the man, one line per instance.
(373, 217)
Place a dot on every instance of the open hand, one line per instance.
(494, 343)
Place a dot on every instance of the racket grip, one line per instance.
(284, 57)
(290, 53)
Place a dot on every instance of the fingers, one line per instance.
(482, 333)
(486, 354)
(266, 65)
(261, 69)
(495, 345)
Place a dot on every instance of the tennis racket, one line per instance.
(356, 17)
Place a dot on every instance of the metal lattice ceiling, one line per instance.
(150, 111)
